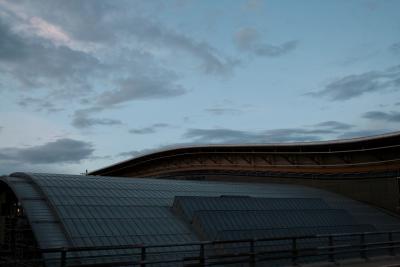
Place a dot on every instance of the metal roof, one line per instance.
(392, 138)
(75, 210)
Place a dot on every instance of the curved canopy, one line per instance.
(73, 210)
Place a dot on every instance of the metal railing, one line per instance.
(290, 249)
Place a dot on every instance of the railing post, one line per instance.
(294, 251)
(142, 256)
(201, 260)
(331, 249)
(252, 254)
(63, 262)
(363, 246)
(392, 252)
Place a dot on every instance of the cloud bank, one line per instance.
(356, 85)
(60, 151)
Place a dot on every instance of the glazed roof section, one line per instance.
(75, 210)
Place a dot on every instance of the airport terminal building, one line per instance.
(240, 205)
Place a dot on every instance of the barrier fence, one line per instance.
(243, 252)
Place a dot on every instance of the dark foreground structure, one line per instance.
(233, 205)
(67, 220)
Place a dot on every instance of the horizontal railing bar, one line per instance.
(138, 246)
(359, 247)
(358, 233)
(299, 255)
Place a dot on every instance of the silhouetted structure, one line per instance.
(76, 220)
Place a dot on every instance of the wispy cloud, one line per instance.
(83, 119)
(334, 125)
(149, 130)
(314, 132)
(135, 153)
(223, 111)
(40, 65)
(61, 48)
(269, 136)
(35, 26)
(352, 86)
(212, 61)
(142, 87)
(161, 84)
(362, 133)
(39, 104)
(393, 116)
(248, 40)
(73, 24)
(254, 5)
(395, 48)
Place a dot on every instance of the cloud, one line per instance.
(160, 85)
(334, 125)
(395, 48)
(61, 19)
(254, 5)
(353, 86)
(136, 153)
(392, 116)
(275, 51)
(313, 132)
(34, 64)
(149, 130)
(248, 40)
(100, 22)
(82, 119)
(334, 129)
(12, 47)
(40, 104)
(212, 61)
(34, 26)
(141, 88)
(104, 53)
(362, 133)
(60, 151)
(223, 111)
(269, 136)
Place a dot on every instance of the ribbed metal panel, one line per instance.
(98, 211)
(67, 210)
(45, 224)
(26, 189)
(39, 210)
(49, 234)
(187, 206)
(297, 231)
(209, 223)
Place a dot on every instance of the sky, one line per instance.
(88, 83)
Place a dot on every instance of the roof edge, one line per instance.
(258, 145)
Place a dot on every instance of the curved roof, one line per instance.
(389, 140)
(75, 210)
